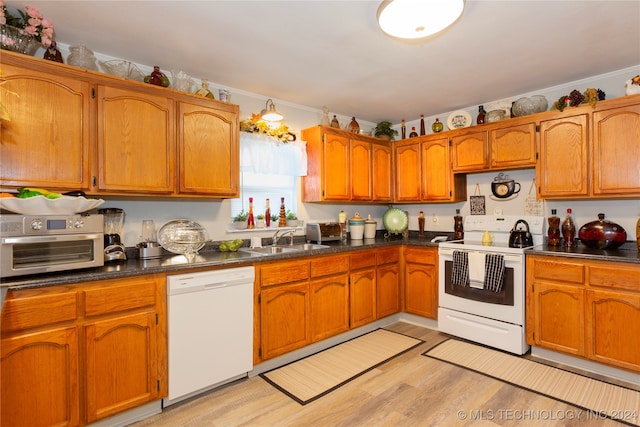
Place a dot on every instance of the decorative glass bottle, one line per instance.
(404, 129)
(353, 126)
(267, 214)
(458, 229)
(251, 222)
(421, 224)
(413, 133)
(638, 233)
(569, 231)
(334, 122)
(282, 221)
(553, 233)
(422, 130)
(481, 115)
(437, 126)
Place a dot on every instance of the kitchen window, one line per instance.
(268, 169)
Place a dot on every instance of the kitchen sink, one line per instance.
(308, 246)
(272, 250)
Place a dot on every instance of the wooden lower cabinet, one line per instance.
(72, 355)
(329, 307)
(284, 315)
(421, 281)
(585, 308)
(40, 379)
(362, 288)
(387, 282)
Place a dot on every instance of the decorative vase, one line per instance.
(13, 38)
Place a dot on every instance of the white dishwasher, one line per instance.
(210, 330)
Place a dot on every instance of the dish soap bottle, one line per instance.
(569, 231)
(487, 240)
(458, 229)
(553, 233)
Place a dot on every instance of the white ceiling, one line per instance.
(316, 53)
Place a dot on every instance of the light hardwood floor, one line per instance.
(410, 390)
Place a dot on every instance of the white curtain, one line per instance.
(260, 153)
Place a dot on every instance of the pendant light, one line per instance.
(270, 114)
(413, 19)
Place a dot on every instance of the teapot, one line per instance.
(502, 187)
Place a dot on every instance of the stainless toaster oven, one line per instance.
(32, 244)
(323, 231)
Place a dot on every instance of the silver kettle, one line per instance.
(520, 238)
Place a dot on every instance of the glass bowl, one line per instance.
(182, 236)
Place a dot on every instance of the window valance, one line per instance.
(261, 153)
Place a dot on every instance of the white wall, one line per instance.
(215, 215)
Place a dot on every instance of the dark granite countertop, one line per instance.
(208, 257)
(628, 252)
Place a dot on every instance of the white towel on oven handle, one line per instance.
(476, 269)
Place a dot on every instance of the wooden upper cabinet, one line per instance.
(208, 150)
(343, 166)
(470, 151)
(361, 167)
(563, 168)
(616, 151)
(438, 181)
(136, 142)
(46, 142)
(381, 172)
(408, 172)
(513, 146)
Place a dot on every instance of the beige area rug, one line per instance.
(598, 397)
(314, 376)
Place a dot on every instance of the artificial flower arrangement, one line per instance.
(30, 22)
(255, 124)
(575, 98)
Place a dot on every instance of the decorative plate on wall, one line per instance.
(459, 119)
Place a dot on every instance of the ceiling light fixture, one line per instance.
(270, 113)
(413, 19)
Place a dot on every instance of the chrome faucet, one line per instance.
(276, 237)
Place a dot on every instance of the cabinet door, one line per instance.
(613, 328)
(40, 379)
(336, 167)
(407, 167)
(46, 142)
(381, 170)
(421, 287)
(616, 151)
(562, 169)
(363, 297)
(387, 290)
(136, 142)
(469, 152)
(436, 170)
(361, 175)
(208, 147)
(513, 146)
(284, 317)
(121, 364)
(559, 317)
(329, 302)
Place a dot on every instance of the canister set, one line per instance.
(360, 228)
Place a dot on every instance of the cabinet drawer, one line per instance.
(362, 260)
(426, 256)
(120, 297)
(387, 256)
(329, 265)
(284, 272)
(617, 276)
(38, 310)
(557, 270)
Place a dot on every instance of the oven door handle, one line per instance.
(448, 255)
(50, 238)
